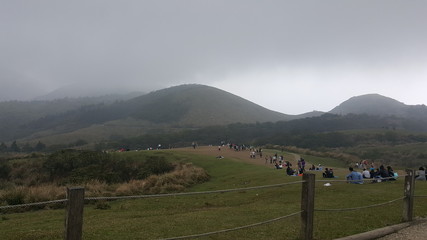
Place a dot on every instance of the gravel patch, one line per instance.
(414, 232)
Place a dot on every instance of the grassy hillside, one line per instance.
(15, 116)
(377, 105)
(199, 105)
(185, 106)
(177, 216)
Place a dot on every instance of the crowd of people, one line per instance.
(280, 163)
(368, 170)
(376, 174)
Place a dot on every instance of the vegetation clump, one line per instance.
(102, 174)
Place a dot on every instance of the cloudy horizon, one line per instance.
(288, 56)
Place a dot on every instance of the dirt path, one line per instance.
(238, 155)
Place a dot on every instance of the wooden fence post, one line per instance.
(307, 206)
(408, 201)
(74, 214)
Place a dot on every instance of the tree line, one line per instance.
(330, 131)
(26, 147)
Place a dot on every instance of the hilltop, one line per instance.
(191, 106)
(378, 105)
(185, 106)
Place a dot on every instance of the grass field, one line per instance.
(158, 218)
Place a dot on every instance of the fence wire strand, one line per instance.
(33, 204)
(151, 196)
(191, 193)
(233, 229)
(358, 208)
(363, 179)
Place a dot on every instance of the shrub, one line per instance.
(15, 196)
(72, 166)
(5, 170)
(102, 205)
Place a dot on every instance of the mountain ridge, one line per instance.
(379, 105)
(186, 106)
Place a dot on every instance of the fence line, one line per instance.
(234, 229)
(358, 208)
(33, 204)
(75, 204)
(363, 179)
(151, 195)
(192, 193)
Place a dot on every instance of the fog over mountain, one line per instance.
(288, 56)
(189, 107)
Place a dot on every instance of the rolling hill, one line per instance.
(185, 106)
(378, 105)
(172, 109)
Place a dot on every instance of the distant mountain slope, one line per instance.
(185, 106)
(199, 105)
(378, 105)
(89, 91)
(181, 107)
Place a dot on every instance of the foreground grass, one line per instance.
(185, 215)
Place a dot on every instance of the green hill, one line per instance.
(377, 105)
(185, 106)
(199, 105)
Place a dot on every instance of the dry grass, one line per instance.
(184, 175)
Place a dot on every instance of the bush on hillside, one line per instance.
(73, 166)
(5, 170)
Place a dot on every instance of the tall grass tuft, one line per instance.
(183, 176)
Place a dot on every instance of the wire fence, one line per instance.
(33, 204)
(150, 195)
(193, 193)
(359, 208)
(234, 229)
(308, 184)
(363, 179)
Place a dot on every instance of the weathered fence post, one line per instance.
(307, 206)
(408, 201)
(74, 215)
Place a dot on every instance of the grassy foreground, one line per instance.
(185, 215)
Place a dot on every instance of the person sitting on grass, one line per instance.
(382, 173)
(354, 176)
(328, 173)
(366, 173)
(290, 171)
(391, 174)
(421, 174)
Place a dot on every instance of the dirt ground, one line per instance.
(243, 155)
(415, 232)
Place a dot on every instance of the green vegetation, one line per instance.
(78, 166)
(327, 135)
(38, 178)
(184, 215)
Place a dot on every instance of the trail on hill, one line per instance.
(243, 155)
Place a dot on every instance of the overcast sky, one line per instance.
(289, 56)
